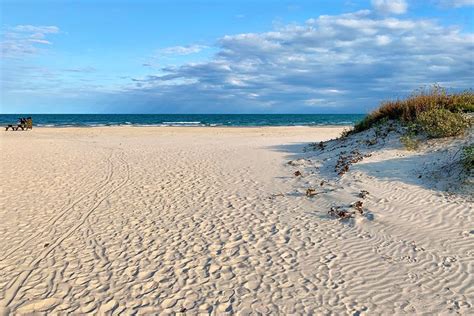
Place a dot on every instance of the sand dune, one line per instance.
(212, 220)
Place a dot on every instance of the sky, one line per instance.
(203, 56)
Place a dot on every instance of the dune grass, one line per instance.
(431, 109)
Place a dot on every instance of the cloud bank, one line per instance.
(24, 40)
(329, 64)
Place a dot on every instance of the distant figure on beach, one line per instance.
(24, 123)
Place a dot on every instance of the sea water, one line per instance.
(85, 120)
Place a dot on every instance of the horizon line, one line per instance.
(26, 113)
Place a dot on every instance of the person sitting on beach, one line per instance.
(29, 122)
(21, 123)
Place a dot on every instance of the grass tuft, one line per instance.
(434, 100)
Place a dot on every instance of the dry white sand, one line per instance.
(212, 220)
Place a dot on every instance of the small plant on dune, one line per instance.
(442, 123)
(467, 158)
(410, 142)
(409, 139)
(346, 132)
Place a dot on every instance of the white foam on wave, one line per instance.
(183, 122)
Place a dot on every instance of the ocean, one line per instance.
(85, 120)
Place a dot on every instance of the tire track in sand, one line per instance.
(11, 292)
(65, 209)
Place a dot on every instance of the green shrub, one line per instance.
(442, 123)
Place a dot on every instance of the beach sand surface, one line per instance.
(161, 220)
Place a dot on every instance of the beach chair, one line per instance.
(23, 126)
(15, 127)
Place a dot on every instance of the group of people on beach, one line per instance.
(25, 123)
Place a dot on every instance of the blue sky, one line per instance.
(265, 56)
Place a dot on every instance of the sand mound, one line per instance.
(404, 219)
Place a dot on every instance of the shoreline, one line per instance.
(182, 126)
(230, 130)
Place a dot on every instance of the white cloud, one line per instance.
(390, 6)
(182, 50)
(456, 3)
(22, 40)
(312, 102)
(87, 69)
(41, 30)
(382, 40)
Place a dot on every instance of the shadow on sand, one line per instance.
(430, 170)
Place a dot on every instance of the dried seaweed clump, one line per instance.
(340, 212)
(363, 194)
(345, 161)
